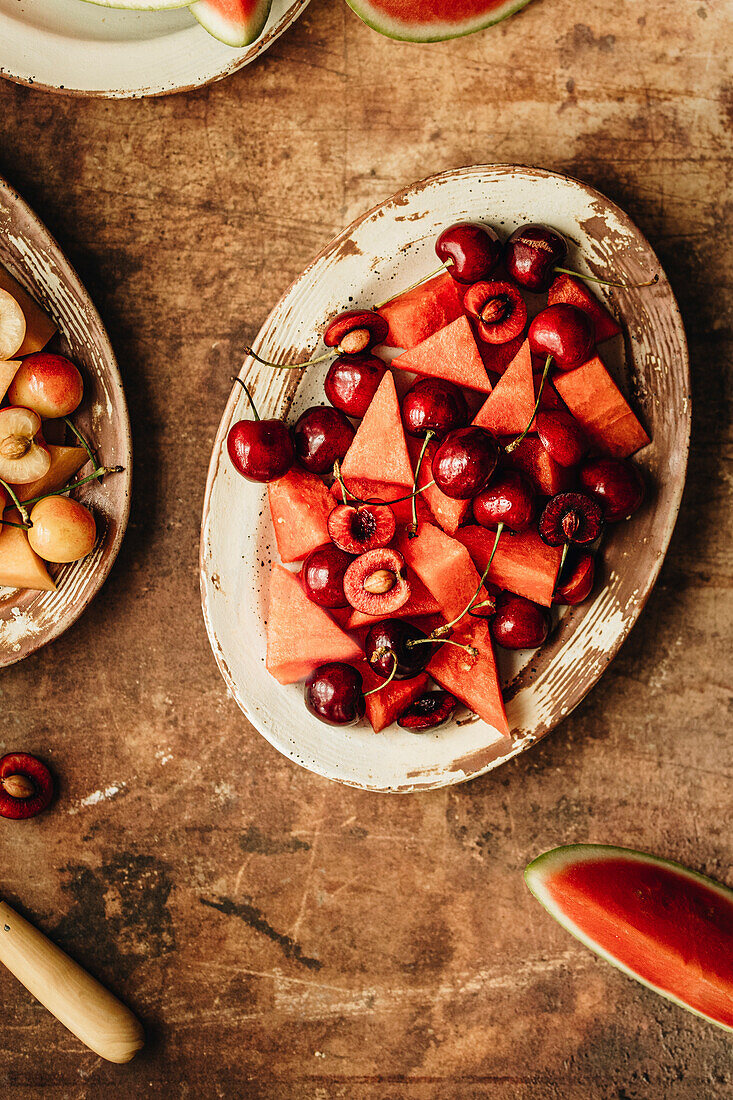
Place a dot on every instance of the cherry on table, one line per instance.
(470, 251)
(531, 255)
(519, 623)
(564, 332)
(260, 450)
(334, 693)
(431, 710)
(570, 518)
(464, 462)
(562, 436)
(391, 649)
(615, 483)
(508, 499)
(498, 309)
(576, 578)
(26, 786)
(322, 436)
(323, 575)
(375, 583)
(433, 405)
(357, 528)
(352, 381)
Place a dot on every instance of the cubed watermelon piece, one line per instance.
(531, 459)
(497, 357)
(378, 451)
(421, 603)
(523, 563)
(450, 353)
(549, 398)
(300, 635)
(418, 313)
(446, 511)
(600, 408)
(567, 289)
(508, 408)
(300, 505)
(384, 706)
(443, 565)
(473, 679)
(365, 489)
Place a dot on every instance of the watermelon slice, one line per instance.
(600, 408)
(523, 563)
(432, 20)
(234, 22)
(420, 603)
(65, 462)
(509, 407)
(666, 926)
(300, 505)
(384, 706)
(450, 353)
(474, 680)
(567, 289)
(20, 565)
(443, 565)
(418, 313)
(531, 459)
(446, 511)
(497, 357)
(300, 635)
(378, 451)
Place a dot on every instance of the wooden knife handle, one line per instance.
(77, 999)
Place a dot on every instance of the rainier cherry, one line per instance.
(49, 384)
(62, 529)
(260, 450)
(12, 325)
(24, 457)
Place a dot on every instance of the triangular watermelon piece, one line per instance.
(497, 357)
(600, 408)
(473, 679)
(449, 513)
(378, 451)
(300, 505)
(365, 489)
(567, 289)
(418, 313)
(545, 474)
(234, 22)
(443, 565)
(300, 635)
(523, 563)
(450, 353)
(384, 706)
(509, 406)
(421, 603)
(20, 565)
(65, 462)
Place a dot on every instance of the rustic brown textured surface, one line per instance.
(283, 937)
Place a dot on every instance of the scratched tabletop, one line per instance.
(283, 937)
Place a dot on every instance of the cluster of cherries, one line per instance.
(358, 567)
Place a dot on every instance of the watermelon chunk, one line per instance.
(378, 451)
(497, 357)
(418, 313)
(300, 505)
(300, 635)
(523, 563)
(234, 22)
(474, 680)
(447, 512)
(531, 459)
(365, 489)
(384, 706)
(567, 289)
(443, 565)
(432, 20)
(421, 603)
(509, 407)
(666, 926)
(450, 353)
(600, 408)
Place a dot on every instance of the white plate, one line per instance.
(388, 248)
(72, 46)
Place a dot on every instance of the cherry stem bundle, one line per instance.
(606, 282)
(101, 471)
(82, 440)
(515, 442)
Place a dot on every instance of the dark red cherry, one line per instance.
(322, 436)
(531, 255)
(260, 450)
(616, 484)
(395, 639)
(509, 499)
(562, 436)
(355, 331)
(357, 528)
(335, 694)
(499, 311)
(432, 405)
(464, 462)
(352, 381)
(519, 623)
(26, 786)
(323, 575)
(431, 710)
(564, 332)
(570, 517)
(471, 251)
(576, 577)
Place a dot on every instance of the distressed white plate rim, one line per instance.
(386, 248)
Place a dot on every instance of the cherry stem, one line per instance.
(291, 366)
(82, 440)
(565, 549)
(9, 523)
(515, 442)
(412, 529)
(101, 471)
(435, 640)
(375, 503)
(252, 405)
(443, 267)
(606, 282)
(379, 654)
(21, 507)
(472, 601)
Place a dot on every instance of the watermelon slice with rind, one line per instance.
(140, 5)
(432, 20)
(668, 927)
(234, 22)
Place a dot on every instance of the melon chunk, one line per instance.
(497, 357)
(300, 635)
(418, 313)
(567, 289)
(523, 563)
(509, 407)
(545, 474)
(443, 565)
(446, 511)
(421, 603)
(300, 505)
(65, 462)
(20, 566)
(384, 706)
(8, 371)
(39, 328)
(600, 408)
(473, 679)
(378, 451)
(450, 353)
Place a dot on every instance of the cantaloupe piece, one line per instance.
(300, 635)
(600, 408)
(65, 462)
(421, 603)
(473, 679)
(572, 291)
(418, 313)
(443, 565)
(446, 511)
(39, 328)
(387, 704)
(20, 566)
(545, 474)
(300, 505)
(523, 563)
(508, 408)
(450, 353)
(8, 371)
(378, 451)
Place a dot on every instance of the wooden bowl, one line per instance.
(386, 249)
(29, 619)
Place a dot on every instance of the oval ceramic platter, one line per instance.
(29, 619)
(383, 251)
(81, 48)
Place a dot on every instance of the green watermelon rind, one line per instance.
(393, 29)
(230, 33)
(541, 868)
(140, 5)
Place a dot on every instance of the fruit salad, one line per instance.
(453, 495)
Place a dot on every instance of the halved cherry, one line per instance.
(375, 583)
(24, 457)
(357, 528)
(26, 786)
(431, 710)
(562, 436)
(576, 578)
(499, 310)
(570, 517)
(355, 331)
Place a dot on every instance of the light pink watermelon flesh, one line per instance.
(450, 353)
(659, 922)
(508, 408)
(387, 704)
(300, 505)
(378, 451)
(573, 292)
(432, 20)
(415, 315)
(531, 459)
(234, 22)
(600, 408)
(474, 680)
